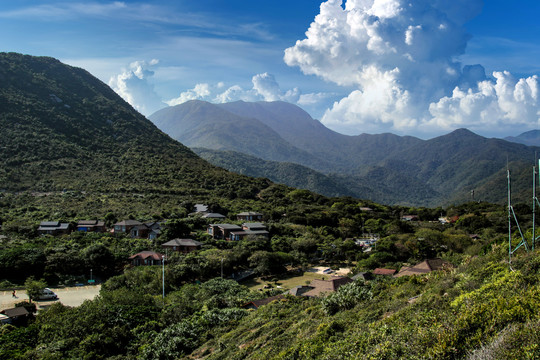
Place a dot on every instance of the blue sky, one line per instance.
(364, 66)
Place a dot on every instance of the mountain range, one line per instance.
(63, 129)
(384, 168)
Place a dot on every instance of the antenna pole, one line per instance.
(509, 217)
(534, 208)
(512, 214)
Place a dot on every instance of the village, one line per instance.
(314, 281)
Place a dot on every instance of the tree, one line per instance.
(176, 228)
(34, 288)
(267, 263)
(99, 258)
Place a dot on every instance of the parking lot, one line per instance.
(71, 296)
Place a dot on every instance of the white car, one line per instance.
(47, 294)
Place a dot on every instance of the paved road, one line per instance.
(71, 296)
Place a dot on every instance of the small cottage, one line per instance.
(91, 226)
(146, 258)
(384, 272)
(222, 231)
(54, 228)
(182, 245)
(125, 226)
(424, 267)
(249, 216)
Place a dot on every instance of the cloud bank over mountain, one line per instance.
(265, 88)
(391, 66)
(135, 86)
(400, 58)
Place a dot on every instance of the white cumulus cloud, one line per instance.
(264, 88)
(506, 103)
(133, 85)
(399, 58)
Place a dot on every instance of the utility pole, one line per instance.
(163, 276)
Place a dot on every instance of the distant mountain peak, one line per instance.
(463, 132)
(530, 138)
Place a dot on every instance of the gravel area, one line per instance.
(70, 296)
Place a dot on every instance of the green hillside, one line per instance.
(62, 129)
(207, 125)
(291, 174)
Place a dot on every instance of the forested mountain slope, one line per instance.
(201, 124)
(292, 174)
(384, 168)
(63, 129)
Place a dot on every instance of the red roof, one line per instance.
(424, 267)
(147, 255)
(326, 286)
(381, 271)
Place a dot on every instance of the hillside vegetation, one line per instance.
(62, 129)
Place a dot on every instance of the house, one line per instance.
(326, 286)
(424, 267)
(154, 229)
(239, 235)
(254, 226)
(125, 226)
(409, 218)
(367, 240)
(182, 245)
(91, 226)
(15, 315)
(54, 228)
(249, 216)
(254, 229)
(367, 209)
(139, 231)
(384, 272)
(146, 258)
(449, 220)
(222, 231)
(299, 290)
(213, 216)
(255, 304)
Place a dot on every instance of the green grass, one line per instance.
(286, 281)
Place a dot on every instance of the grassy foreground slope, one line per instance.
(481, 310)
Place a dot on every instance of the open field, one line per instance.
(289, 280)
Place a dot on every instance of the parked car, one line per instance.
(47, 294)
